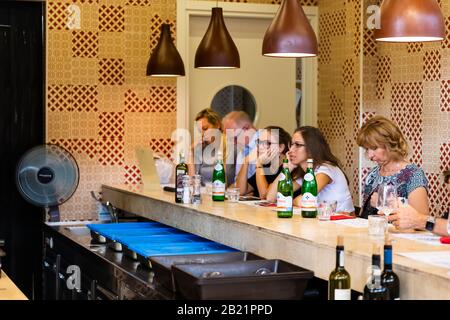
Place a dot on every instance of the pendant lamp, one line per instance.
(165, 61)
(217, 49)
(410, 21)
(290, 34)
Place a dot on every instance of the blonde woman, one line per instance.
(385, 144)
(204, 153)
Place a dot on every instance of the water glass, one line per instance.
(377, 225)
(233, 194)
(324, 211)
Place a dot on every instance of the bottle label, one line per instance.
(309, 202)
(218, 167)
(284, 203)
(341, 258)
(218, 188)
(342, 294)
(282, 177)
(309, 177)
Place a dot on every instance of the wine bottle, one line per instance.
(180, 170)
(285, 192)
(388, 278)
(309, 192)
(374, 289)
(339, 281)
(218, 178)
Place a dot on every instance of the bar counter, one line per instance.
(308, 243)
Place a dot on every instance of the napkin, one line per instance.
(341, 217)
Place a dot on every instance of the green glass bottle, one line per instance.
(309, 192)
(339, 281)
(218, 179)
(180, 170)
(285, 192)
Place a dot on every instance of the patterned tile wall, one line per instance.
(100, 104)
(410, 83)
(339, 84)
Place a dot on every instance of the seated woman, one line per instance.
(332, 185)
(385, 144)
(204, 153)
(406, 217)
(272, 146)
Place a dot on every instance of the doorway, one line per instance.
(272, 81)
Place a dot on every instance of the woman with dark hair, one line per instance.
(332, 184)
(272, 146)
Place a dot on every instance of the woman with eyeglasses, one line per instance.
(332, 184)
(272, 146)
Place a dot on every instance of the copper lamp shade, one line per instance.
(217, 49)
(290, 34)
(165, 60)
(410, 21)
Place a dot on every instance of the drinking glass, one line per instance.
(233, 194)
(377, 225)
(387, 198)
(324, 211)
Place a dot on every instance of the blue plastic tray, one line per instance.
(159, 239)
(125, 225)
(181, 248)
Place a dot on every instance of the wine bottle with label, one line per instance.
(180, 170)
(309, 192)
(339, 281)
(218, 179)
(285, 192)
(388, 277)
(374, 289)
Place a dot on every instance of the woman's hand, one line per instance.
(292, 166)
(267, 156)
(406, 217)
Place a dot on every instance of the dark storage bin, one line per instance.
(162, 265)
(240, 280)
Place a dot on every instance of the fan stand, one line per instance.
(53, 212)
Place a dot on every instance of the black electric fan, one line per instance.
(47, 176)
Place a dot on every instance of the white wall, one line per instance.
(270, 80)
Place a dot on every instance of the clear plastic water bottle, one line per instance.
(186, 189)
(196, 185)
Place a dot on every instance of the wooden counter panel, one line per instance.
(8, 290)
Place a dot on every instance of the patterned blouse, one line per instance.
(407, 180)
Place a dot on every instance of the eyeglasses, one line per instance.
(297, 145)
(265, 143)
